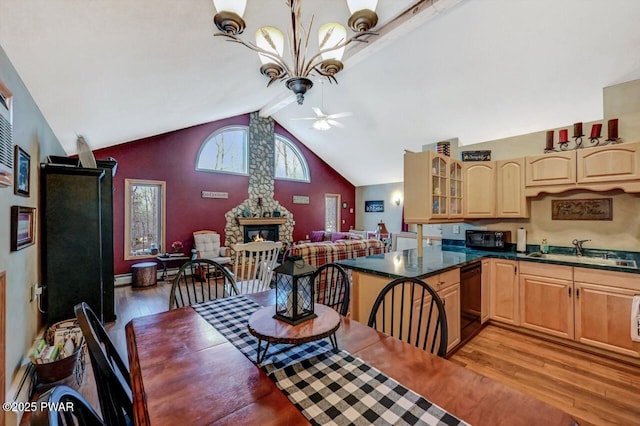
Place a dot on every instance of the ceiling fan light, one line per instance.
(356, 5)
(270, 39)
(321, 124)
(330, 35)
(235, 6)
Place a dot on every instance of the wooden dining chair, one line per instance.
(111, 374)
(331, 287)
(201, 280)
(412, 311)
(254, 264)
(80, 414)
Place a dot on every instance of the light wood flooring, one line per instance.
(593, 389)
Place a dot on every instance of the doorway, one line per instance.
(332, 212)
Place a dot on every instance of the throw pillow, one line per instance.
(317, 236)
(339, 236)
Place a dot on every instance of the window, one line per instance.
(225, 150)
(144, 218)
(289, 161)
(332, 212)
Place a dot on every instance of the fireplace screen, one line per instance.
(260, 233)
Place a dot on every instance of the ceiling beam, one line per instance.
(413, 17)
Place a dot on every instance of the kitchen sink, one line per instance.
(621, 263)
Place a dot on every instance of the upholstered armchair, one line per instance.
(207, 246)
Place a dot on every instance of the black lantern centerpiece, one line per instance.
(294, 291)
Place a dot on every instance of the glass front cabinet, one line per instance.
(432, 187)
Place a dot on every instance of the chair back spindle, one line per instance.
(201, 280)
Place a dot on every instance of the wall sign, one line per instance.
(376, 206)
(213, 194)
(590, 209)
(300, 199)
(476, 155)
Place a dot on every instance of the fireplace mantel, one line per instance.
(262, 220)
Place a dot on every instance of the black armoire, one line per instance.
(76, 213)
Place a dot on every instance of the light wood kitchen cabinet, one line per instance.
(511, 200)
(486, 290)
(451, 298)
(557, 168)
(428, 188)
(618, 162)
(504, 293)
(603, 309)
(480, 189)
(546, 298)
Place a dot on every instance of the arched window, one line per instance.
(289, 161)
(225, 150)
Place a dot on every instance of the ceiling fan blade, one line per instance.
(304, 118)
(335, 123)
(340, 115)
(318, 111)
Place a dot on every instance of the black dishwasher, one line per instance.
(470, 301)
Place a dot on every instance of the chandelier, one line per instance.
(269, 44)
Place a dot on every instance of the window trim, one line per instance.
(127, 216)
(216, 133)
(298, 153)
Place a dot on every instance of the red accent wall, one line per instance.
(172, 157)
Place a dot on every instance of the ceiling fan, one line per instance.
(324, 121)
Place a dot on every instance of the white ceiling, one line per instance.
(119, 70)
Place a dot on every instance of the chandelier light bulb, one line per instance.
(270, 39)
(329, 35)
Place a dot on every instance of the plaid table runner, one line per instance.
(340, 389)
(230, 316)
(328, 387)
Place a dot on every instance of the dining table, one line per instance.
(196, 365)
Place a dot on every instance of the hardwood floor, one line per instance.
(593, 389)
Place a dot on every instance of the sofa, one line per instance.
(319, 253)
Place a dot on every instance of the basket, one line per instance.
(62, 368)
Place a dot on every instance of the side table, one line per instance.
(263, 326)
(165, 259)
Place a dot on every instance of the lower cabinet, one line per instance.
(504, 292)
(451, 298)
(486, 290)
(603, 309)
(546, 298)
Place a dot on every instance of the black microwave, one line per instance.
(487, 240)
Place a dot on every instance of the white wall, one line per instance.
(392, 215)
(32, 133)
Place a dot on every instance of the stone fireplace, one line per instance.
(260, 211)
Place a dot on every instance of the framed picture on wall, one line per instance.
(22, 164)
(376, 206)
(22, 227)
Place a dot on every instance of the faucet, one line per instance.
(578, 246)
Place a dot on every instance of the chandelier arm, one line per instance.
(313, 62)
(277, 59)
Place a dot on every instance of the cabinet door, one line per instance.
(557, 168)
(451, 298)
(609, 163)
(439, 187)
(504, 291)
(510, 198)
(603, 318)
(417, 187)
(546, 305)
(455, 189)
(486, 289)
(479, 189)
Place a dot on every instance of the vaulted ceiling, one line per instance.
(118, 70)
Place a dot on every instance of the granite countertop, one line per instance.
(437, 259)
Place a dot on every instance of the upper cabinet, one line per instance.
(597, 169)
(433, 188)
(609, 163)
(510, 197)
(557, 168)
(480, 189)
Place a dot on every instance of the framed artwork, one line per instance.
(22, 164)
(590, 209)
(376, 206)
(22, 227)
